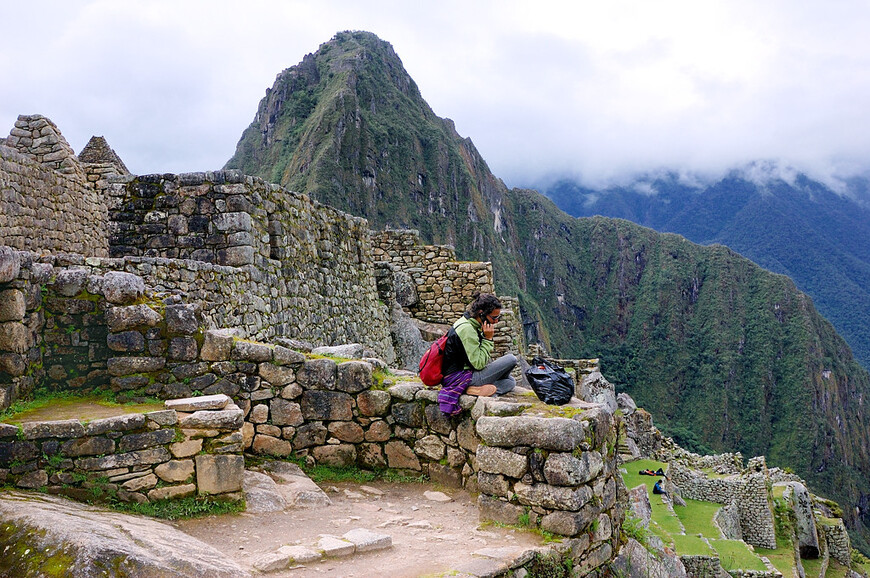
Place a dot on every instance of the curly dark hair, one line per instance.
(483, 304)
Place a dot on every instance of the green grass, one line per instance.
(691, 546)
(697, 518)
(736, 555)
(812, 568)
(782, 558)
(192, 507)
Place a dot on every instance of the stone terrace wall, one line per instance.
(441, 286)
(46, 203)
(839, 546)
(134, 457)
(258, 257)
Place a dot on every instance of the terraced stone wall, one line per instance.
(194, 447)
(46, 201)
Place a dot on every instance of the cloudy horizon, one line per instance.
(589, 90)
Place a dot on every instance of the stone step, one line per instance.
(353, 542)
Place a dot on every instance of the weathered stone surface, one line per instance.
(279, 376)
(126, 341)
(346, 431)
(15, 337)
(430, 447)
(33, 480)
(638, 501)
(347, 350)
(10, 264)
(466, 435)
(87, 446)
(285, 412)
(224, 419)
(501, 461)
(437, 420)
(310, 434)
(114, 461)
(373, 403)
(568, 523)
(285, 356)
(635, 561)
(140, 483)
(219, 474)
(492, 509)
(145, 547)
(186, 449)
(163, 417)
(183, 349)
(270, 445)
(12, 305)
(145, 440)
(327, 405)
(70, 282)
(553, 497)
(805, 523)
(261, 494)
(13, 364)
(563, 469)
(217, 345)
(251, 351)
(366, 540)
(493, 484)
(626, 403)
(333, 547)
(400, 456)
(68, 428)
(353, 376)
(122, 288)
(335, 455)
(405, 391)
(554, 434)
(119, 366)
(175, 470)
(131, 316)
(203, 402)
(317, 374)
(408, 414)
(371, 456)
(172, 492)
(378, 431)
(182, 319)
(445, 475)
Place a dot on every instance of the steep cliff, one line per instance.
(725, 354)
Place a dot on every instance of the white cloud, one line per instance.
(595, 89)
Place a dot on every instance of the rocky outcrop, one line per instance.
(43, 534)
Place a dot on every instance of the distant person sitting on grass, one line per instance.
(468, 366)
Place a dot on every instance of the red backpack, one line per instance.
(430, 363)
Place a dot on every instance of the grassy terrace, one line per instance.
(691, 532)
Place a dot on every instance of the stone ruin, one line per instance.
(208, 290)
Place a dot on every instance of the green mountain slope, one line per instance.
(721, 351)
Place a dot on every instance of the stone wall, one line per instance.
(839, 547)
(46, 201)
(132, 457)
(702, 566)
(256, 256)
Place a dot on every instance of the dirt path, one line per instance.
(429, 537)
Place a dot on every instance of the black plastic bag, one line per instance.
(550, 382)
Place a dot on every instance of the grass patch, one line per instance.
(691, 546)
(735, 555)
(180, 509)
(782, 558)
(697, 518)
(812, 567)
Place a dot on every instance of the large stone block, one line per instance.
(310, 434)
(501, 461)
(175, 470)
(554, 434)
(117, 423)
(68, 428)
(400, 456)
(130, 317)
(335, 455)
(279, 376)
(145, 440)
(10, 264)
(371, 456)
(271, 445)
(88, 446)
(353, 376)
(122, 288)
(114, 461)
(374, 403)
(219, 474)
(118, 366)
(217, 345)
(15, 337)
(70, 282)
(126, 341)
(430, 447)
(182, 319)
(12, 305)
(317, 374)
(553, 497)
(563, 469)
(408, 414)
(495, 510)
(327, 405)
(13, 364)
(346, 431)
(251, 351)
(285, 412)
(568, 523)
(228, 419)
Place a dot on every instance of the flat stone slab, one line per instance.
(366, 540)
(334, 547)
(262, 495)
(54, 527)
(204, 402)
(437, 496)
(297, 488)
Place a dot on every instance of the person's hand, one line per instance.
(488, 329)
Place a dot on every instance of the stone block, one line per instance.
(493, 484)
(183, 349)
(405, 391)
(270, 445)
(15, 337)
(371, 456)
(182, 319)
(437, 420)
(68, 428)
(163, 417)
(374, 403)
(10, 264)
(12, 364)
(87, 446)
(285, 356)
(430, 447)
(353, 376)
(310, 434)
(140, 483)
(333, 547)
(175, 470)
(259, 413)
(285, 412)
(217, 345)
(236, 256)
(219, 474)
(130, 317)
(134, 458)
(122, 288)
(205, 402)
(501, 461)
(367, 541)
(554, 434)
(568, 523)
(251, 351)
(119, 366)
(553, 497)
(12, 305)
(327, 405)
(444, 476)
(401, 456)
(186, 449)
(172, 492)
(126, 341)
(70, 282)
(233, 222)
(317, 374)
(495, 510)
(563, 469)
(231, 419)
(340, 455)
(346, 431)
(141, 441)
(278, 376)
(408, 414)
(379, 431)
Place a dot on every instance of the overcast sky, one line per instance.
(596, 89)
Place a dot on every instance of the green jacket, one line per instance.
(477, 347)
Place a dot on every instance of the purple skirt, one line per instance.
(452, 386)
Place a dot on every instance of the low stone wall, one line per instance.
(702, 566)
(839, 546)
(46, 203)
(133, 457)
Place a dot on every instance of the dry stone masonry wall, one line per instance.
(194, 447)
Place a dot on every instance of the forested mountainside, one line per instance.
(726, 355)
(802, 228)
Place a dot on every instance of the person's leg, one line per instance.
(497, 373)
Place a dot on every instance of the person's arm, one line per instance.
(479, 350)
